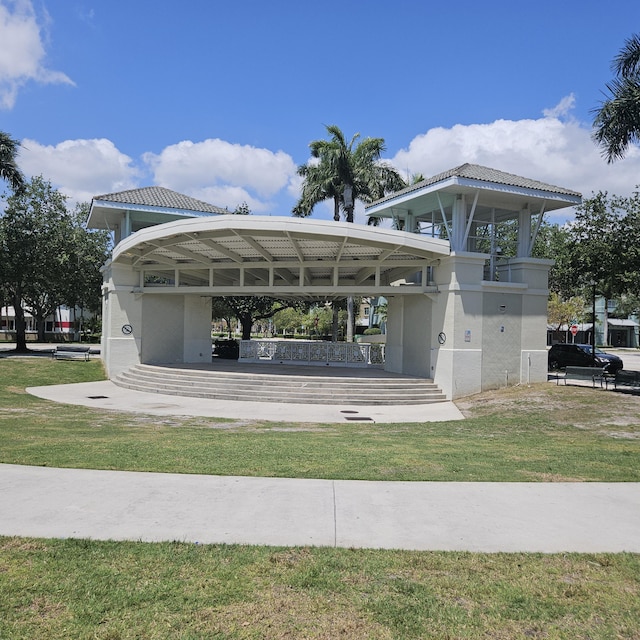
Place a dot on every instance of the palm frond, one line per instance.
(627, 63)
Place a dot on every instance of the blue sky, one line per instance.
(220, 100)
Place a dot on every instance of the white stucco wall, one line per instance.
(121, 309)
(163, 327)
(502, 336)
(197, 329)
(151, 328)
(177, 329)
(408, 345)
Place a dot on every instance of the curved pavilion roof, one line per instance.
(254, 255)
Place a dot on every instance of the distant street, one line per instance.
(630, 357)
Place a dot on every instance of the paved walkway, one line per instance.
(489, 517)
(106, 395)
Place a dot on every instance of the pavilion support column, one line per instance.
(524, 233)
(458, 223)
(456, 340)
(122, 319)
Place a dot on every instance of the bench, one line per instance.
(585, 374)
(629, 379)
(71, 352)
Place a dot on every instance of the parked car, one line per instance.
(227, 349)
(579, 355)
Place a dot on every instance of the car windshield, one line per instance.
(587, 349)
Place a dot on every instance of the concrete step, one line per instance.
(158, 374)
(250, 386)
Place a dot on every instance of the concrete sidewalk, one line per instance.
(106, 395)
(487, 517)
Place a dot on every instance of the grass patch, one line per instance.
(541, 433)
(105, 590)
(125, 590)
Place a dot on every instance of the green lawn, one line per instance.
(539, 433)
(112, 591)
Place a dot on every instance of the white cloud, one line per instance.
(228, 174)
(563, 107)
(554, 149)
(22, 51)
(81, 169)
(551, 149)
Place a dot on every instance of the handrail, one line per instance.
(313, 352)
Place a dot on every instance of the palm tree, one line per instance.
(345, 174)
(617, 120)
(8, 166)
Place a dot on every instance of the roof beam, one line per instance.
(232, 255)
(296, 247)
(256, 245)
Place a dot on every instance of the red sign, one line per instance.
(574, 329)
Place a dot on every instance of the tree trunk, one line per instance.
(334, 323)
(21, 325)
(350, 319)
(247, 322)
(40, 324)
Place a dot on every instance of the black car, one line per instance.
(580, 355)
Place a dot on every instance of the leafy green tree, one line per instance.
(47, 256)
(251, 309)
(86, 252)
(561, 311)
(220, 310)
(617, 120)
(8, 165)
(321, 320)
(556, 243)
(33, 234)
(291, 320)
(601, 236)
(597, 233)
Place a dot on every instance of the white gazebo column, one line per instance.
(524, 233)
(456, 343)
(458, 223)
(122, 319)
(533, 342)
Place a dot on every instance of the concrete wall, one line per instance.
(177, 329)
(501, 339)
(163, 328)
(197, 329)
(408, 346)
(151, 328)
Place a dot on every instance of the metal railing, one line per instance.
(345, 354)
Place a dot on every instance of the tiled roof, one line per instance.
(485, 174)
(161, 197)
